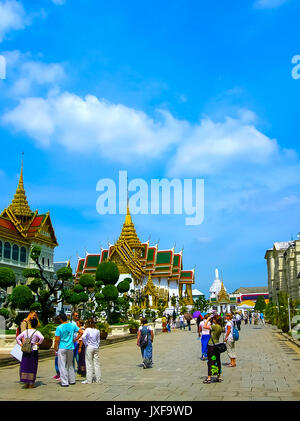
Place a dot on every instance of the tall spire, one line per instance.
(19, 206)
(128, 233)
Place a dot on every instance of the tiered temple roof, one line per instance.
(19, 223)
(159, 263)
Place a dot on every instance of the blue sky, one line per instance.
(183, 89)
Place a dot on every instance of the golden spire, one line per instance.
(223, 296)
(149, 288)
(128, 233)
(19, 206)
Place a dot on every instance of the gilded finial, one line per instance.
(19, 206)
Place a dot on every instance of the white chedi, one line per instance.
(216, 286)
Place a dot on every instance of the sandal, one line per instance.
(219, 380)
(206, 381)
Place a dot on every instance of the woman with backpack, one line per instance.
(145, 338)
(29, 341)
(229, 340)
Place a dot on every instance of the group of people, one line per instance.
(75, 341)
(170, 322)
(210, 330)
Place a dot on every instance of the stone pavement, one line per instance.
(267, 369)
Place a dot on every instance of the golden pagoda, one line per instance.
(128, 234)
(223, 297)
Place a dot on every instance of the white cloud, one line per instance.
(27, 74)
(210, 147)
(12, 17)
(90, 125)
(269, 4)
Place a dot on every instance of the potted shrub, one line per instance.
(48, 332)
(104, 329)
(133, 326)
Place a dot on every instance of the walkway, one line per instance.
(268, 369)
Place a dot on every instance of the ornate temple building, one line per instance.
(219, 299)
(158, 274)
(20, 230)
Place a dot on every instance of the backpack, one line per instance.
(235, 334)
(144, 337)
(27, 345)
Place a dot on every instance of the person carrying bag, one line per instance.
(214, 348)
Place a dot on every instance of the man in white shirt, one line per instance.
(181, 321)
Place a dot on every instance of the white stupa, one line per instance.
(216, 286)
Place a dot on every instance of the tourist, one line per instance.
(250, 318)
(81, 353)
(91, 340)
(145, 338)
(198, 321)
(234, 319)
(262, 318)
(169, 323)
(205, 335)
(25, 324)
(75, 322)
(174, 320)
(181, 321)
(188, 317)
(238, 319)
(163, 323)
(230, 343)
(29, 362)
(56, 321)
(246, 318)
(64, 345)
(213, 324)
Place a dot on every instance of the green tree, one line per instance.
(21, 297)
(260, 304)
(201, 304)
(108, 273)
(47, 292)
(7, 279)
(173, 301)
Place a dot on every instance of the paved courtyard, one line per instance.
(267, 369)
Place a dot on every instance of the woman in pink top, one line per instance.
(205, 335)
(29, 362)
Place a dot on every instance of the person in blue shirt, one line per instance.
(64, 346)
(262, 318)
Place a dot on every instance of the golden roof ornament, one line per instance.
(149, 288)
(19, 206)
(128, 233)
(223, 296)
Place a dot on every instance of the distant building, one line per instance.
(219, 299)
(283, 265)
(246, 296)
(196, 294)
(20, 230)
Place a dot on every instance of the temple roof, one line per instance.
(19, 205)
(250, 290)
(19, 223)
(129, 234)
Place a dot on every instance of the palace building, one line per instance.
(20, 230)
(159, 274)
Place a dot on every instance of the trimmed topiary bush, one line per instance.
(21, 297)
(78, 288)
(110, 292)
(123, 286)
(108, 273)
(87, 281)
(4, 313)
(7, 278)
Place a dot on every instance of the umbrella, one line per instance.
(196, 314)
